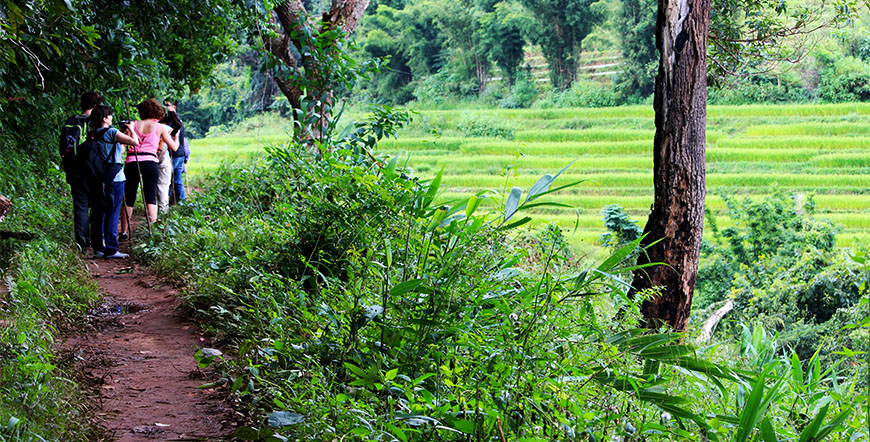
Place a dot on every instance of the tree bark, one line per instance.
(677, 216)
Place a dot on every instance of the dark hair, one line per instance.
(89, 100)
(97, 115)
(171, 119)
(150, 108)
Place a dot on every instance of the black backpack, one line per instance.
(92, 165)
(72, 135)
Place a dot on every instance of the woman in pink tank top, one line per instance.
(141, 162)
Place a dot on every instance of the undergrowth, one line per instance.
(358, 309)
(44, 288)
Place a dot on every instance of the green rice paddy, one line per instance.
(821, 151)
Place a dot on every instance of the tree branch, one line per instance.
(710, 323)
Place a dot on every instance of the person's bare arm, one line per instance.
(171, 142)
(130, 140)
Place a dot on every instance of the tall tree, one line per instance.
(560, 27)
(675, 224)
(637, 26)
(501, 27)
(677, 216)
(309, 57)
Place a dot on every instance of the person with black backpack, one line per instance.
(104, 168)
(72, 135)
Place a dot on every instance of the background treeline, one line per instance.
(518, 54)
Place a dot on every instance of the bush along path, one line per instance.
(139, 360)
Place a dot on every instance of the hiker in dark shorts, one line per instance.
(141, 162)
(73, 133)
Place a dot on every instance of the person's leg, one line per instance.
(131, 172)
(150, 173)
(110, 230)
(178, 179)
(98, 213)
(164, 179)
(79, 192)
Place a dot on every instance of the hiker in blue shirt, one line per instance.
(107, 193)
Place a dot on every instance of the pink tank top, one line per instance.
(147, 148)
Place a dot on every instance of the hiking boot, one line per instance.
(99, 254)
(118, 255)
(123, 236)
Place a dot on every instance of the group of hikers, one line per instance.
(103, 181)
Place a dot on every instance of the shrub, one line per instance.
(522, 94)
(482, 126)
(783, 88)
(845, 79)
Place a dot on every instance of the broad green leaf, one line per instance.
(391, 374)
(464, 426)
(513, 201)
(515, 224)
(768, 434)
(405, 287)
(396, 432)
(432, 190)
(284, 419)
(355, 370)
(542, 185)
(473, 203)
(811, 431)
(832, 425)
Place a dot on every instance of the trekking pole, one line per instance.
(139, 169)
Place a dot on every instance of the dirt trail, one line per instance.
(140, 361)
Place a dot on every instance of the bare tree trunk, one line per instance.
(677, 216)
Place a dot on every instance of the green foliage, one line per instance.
(502, 35)
(48, 287)
(359, 306)
(475, 126)
(522, 93)
(779, 266)
(583, 94)
(622, 230)
(845, 79)
(762, 89)
(412, 40)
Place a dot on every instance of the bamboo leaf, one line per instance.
(811, 430)
(405, 287)
(512, 203)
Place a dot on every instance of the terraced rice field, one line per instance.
(819, 150)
